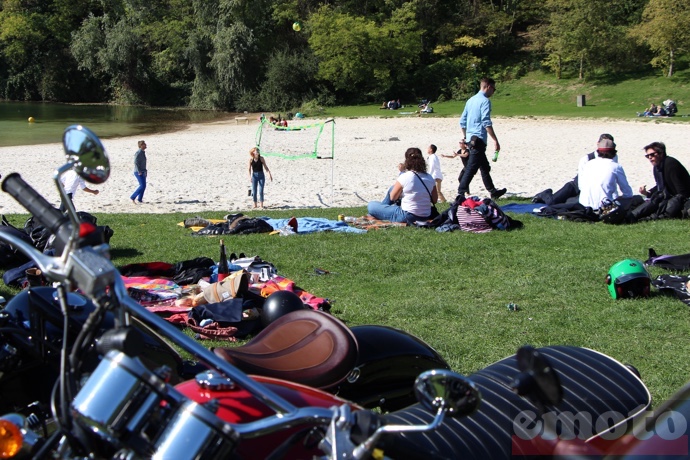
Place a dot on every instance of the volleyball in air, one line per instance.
(296, 26)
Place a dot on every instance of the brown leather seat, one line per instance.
(307, 346)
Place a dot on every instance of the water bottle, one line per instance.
(495, 158)
(350, 219)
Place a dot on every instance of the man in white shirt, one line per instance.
(72, 182)
(603, 178)
(570, 191)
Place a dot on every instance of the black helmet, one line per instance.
(278, 304)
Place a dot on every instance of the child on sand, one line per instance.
(435, 170)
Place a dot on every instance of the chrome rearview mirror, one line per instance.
(443, 389)
(86, 154)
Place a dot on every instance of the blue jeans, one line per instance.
(258, 181)
(139, 192)
(390, 210)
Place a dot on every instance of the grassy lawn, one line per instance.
(538, 94)
(452, 289)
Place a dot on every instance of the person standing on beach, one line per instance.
(257, 164)
(435, 170)
(475, 123)
(71, 183)
(140, 173)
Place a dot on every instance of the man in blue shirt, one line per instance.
(475, 123)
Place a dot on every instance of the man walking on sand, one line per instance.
(140, 173)
(476, 126)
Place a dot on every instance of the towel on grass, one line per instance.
(315, 224)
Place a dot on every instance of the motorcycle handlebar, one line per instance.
(33, 202)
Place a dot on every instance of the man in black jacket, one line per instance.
(672, 189)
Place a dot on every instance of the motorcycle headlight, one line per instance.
(13, 436)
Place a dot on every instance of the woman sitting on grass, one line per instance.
(410, 197)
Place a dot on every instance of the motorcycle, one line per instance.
(372, 366)
(122, 408)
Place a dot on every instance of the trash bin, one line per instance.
(581, 100)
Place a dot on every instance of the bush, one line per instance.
(311, 108)
(290, 80)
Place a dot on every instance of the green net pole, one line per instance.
(332, 157)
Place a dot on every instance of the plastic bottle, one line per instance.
(223, 270)
(350, 219)
(495, 158)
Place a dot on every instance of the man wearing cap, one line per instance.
(602, 178)
(667, 198)
(476, 126)
(571, 190)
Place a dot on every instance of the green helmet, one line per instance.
(628, 278)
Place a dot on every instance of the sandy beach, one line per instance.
(205, 166)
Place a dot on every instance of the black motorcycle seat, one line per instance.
(592, 383)
(306, 346)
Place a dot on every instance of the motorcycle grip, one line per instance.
(33, 202)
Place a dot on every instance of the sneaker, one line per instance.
(498, 193)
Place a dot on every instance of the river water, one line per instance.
(51, 119)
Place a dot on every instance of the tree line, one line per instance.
(249, 55)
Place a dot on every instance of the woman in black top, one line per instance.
(257, 164)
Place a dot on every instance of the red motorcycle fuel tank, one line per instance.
(237, 405)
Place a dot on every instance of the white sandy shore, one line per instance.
(204, 167)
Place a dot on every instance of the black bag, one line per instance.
(9, 255)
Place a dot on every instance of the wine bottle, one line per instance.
(223, 270)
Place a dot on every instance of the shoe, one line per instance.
(538, 198)
(498, 193)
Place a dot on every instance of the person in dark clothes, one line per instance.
(667, 198)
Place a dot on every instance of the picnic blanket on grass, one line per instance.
(522, 208)
(315, 224)
(152, 291)
(371, 223)
(304, 225)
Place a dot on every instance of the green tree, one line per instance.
(290, 81)
(587, 33)
(34, 39)
(665, 28)
(358, 54)
(113, 49)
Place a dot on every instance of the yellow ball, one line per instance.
(31, 119)
(296, 26)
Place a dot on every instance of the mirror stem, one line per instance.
(69, 206)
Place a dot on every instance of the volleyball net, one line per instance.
(297, 141)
